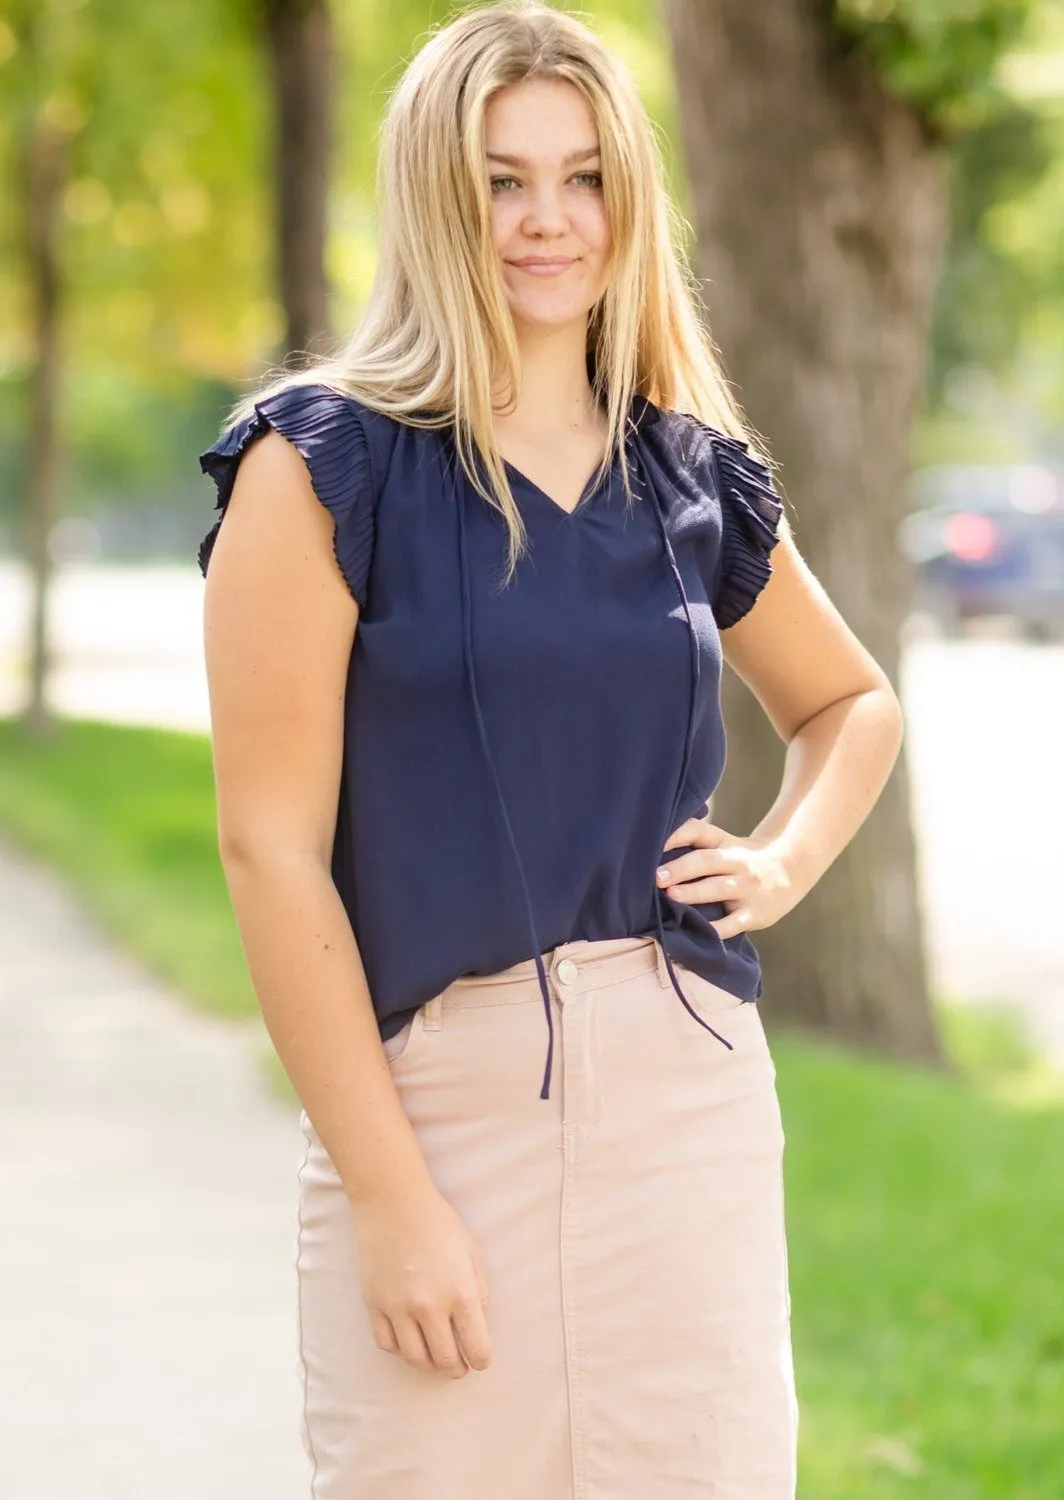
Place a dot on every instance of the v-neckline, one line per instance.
(587, 494)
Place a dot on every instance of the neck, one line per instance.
(555, 394)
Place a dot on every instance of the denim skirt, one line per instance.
(633, 1237)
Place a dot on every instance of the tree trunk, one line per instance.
(299, 41)
(820, 207)
(43, 168)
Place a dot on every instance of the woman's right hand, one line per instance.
(423, 1282)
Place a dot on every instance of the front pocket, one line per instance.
(706, 999)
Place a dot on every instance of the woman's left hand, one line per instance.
(754, 877)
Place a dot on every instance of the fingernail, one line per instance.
(664, 873)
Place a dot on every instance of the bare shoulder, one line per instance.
(279, 625)
(273, 587)
(273, 510)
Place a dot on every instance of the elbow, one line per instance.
(897, 714)
(249, 853)
(237, 852)
(893, 720)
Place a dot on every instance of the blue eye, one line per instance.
(496, 180)
(596, 178)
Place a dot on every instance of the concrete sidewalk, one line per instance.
(147, 1230)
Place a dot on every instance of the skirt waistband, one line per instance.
(571, 968)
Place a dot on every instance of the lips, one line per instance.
(539, 267)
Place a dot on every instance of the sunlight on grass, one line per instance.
(987, 1045)
(925, 1225)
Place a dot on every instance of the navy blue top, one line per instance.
(516, 756)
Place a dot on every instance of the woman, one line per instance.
(466, 612)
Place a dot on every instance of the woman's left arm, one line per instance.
(834, 707)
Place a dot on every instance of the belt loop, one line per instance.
(663, 973)
(434, 1014)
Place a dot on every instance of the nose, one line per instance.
(546, 214)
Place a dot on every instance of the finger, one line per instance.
(412, 1344)
(700, 892)
(383, 1332)
(687, 833)
(697, 831)
(694, 866)
(446, 1355)
(471, 1330)
(734, 923)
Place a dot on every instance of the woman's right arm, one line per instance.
(279, 624)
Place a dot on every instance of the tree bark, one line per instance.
(299, 41)
(820, 209)
(43, 171)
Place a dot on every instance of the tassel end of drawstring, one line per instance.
(544, 1092)
(544, 989)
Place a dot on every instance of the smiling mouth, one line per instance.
(543, 267)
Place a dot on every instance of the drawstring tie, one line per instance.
(643, 481)
(458, 498)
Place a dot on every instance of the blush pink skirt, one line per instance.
(632, 1229)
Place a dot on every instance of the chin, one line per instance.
(538, 318)
(546, 314)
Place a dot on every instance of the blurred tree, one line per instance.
(43, 169)
(46, 117)
(299, 41)
(815, 137)
(98, 211)
(165, 262)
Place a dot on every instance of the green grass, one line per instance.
(927, 1256)
(127, 815)
(926, 1213)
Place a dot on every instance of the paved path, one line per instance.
(147, 1230)
(985, 719)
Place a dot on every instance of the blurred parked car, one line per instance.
(988, 540)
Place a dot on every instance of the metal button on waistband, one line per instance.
(567, 971)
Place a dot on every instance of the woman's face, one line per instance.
(548, 215)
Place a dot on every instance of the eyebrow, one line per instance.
(523, 161)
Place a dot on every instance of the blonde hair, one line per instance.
(436, 327)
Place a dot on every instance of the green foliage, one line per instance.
(985, 291)
(164, 229)
(988, 78)
(939, 55)
(163, 237)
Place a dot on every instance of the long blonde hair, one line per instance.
(437, 326)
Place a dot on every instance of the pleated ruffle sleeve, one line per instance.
(751, 510)
(327, 430)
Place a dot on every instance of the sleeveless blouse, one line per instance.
(516, 755)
